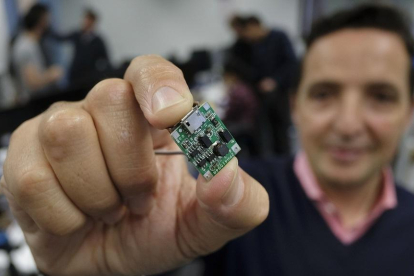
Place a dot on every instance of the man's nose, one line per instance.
(349, 119)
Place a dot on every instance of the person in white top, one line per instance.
(33, 76)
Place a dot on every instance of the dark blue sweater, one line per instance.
(295, 240)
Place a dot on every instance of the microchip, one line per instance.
(225, 135)
(205, 141)
(194, 153)
(211, 157)
(208, 153)
(202, 163)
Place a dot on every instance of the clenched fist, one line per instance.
(93, 199)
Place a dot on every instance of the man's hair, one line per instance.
(91, 14)
(365, 16)
(253, 20)
(34, 15)
(237, 21)
(381, 17)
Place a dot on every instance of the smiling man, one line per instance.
(335, 209)
(93, 199)
(351, 109)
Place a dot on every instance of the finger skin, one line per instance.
(33, 189)
(190, 218)
(126, 143)
(218, 215)
(70, 143)
(148, 74)
(228, 206)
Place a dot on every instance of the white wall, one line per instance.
(133, 27)
(281, 13)
(4, 39)
(24, 5)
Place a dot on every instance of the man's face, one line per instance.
(88, 23)
(45, 22)
(251, 32)
(353, 104)
(238, 30)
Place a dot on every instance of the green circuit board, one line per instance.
(205, 140)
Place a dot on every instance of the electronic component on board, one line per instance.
(225, 135)
(205, 140)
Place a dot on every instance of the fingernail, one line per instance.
(115, 216)
(165, 97)
(236, 190)
(141, 204)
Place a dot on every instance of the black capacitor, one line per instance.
(220, 149)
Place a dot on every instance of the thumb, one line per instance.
(229, 205)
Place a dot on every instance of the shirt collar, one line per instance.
(387, 199)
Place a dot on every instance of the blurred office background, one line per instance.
(221, 64)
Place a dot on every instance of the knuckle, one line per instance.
(57, 106)
(31, 184)
(60, 127)
(145, 59)
(36, 194)
(159, 71)
(154, 67)
(109, 92)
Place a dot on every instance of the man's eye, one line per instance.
(321, 95)
(384, 97)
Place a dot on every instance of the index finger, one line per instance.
(160, 89)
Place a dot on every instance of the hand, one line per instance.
(93, 199)
(267, 85)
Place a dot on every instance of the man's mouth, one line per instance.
(346, 154)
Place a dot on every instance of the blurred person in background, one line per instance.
(268, 58)
(240, 109)
(90, 53)
(34, 78)
(241, 51)
(273, 63)
(273, 57)
(84, 182)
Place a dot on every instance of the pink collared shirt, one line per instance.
(386, 201)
